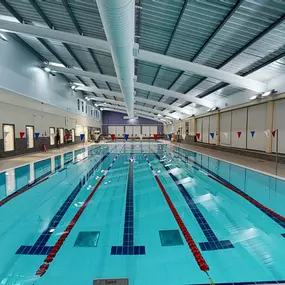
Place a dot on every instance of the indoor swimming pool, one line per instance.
(150, 213)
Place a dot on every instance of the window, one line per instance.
(30, 136)
(91, 112)
(9, 137)
(52, 135)
(73, 135)
(82, 106)
(61, 135)
(86, 108)
(78, 104)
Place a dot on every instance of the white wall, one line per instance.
(205, 129)
(279, 123)
(21, 111)
(239, 120)
(213, 128)
(257, 119)
(199, 129)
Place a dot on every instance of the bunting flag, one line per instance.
(170, 136)
(239, 134)
(226, 135)
(22, 134)
(67, 136)
(198, 135)
(184, 136)
(141, 136)
(126, 136)
(212, 135)
(267, 133)
(252, 133)
(113, 137)
(155, 136)
(82, 136)
(37, 135)
(273, 133)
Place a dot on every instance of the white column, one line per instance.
(269, 125)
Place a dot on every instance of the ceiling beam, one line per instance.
(138, 85)
(121, 110)
(122, 106)
(224, 76)
(144, 55)
(138, 99)
(141, 108)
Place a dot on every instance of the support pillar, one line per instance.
(218, 129)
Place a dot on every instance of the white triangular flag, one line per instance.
(141, 136)
(226, 135)
(267, 133)
(183, 136)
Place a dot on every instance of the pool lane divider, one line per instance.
(190, 241)
(39, 247)
(128, 247)
(43, 268)
(280, 220)
(213, 243)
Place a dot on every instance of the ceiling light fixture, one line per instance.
(3, 38)
(47, 69)
(159, 115)
(73, 87)
(96, 105)
(253, 97)
(57, 64)
(268, 93)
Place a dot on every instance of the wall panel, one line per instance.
(206, 129)
(239, 121)
(213, 128)
(225, 128)
(199, 129)
(257, 124)
(279, 123)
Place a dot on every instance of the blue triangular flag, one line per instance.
(126, 136)
(212, 135)
(170, 136)
(82, 136)
(252, 133)
(37, 135)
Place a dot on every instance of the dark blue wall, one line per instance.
(114, 118)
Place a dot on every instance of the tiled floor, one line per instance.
(249, 162)
(15, 161)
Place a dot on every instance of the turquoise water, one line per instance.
(128, 210)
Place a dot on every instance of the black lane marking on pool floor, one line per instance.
(213, 243)
(40, 248)
(280, 220)
(128, 247)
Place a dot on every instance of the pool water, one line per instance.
(101, 212)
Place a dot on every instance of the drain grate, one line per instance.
(170, 238)
(87, 239)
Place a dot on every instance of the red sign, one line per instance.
(113, 137)
(67, 136)
(239, 134)
(22, 134)
(198, 135)
(155, 136)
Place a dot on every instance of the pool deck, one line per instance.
(267, 167)
(264, 166)
(15, 161)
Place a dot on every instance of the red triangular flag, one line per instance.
(67, 136)
(22, 134)
(239, 134)
(155, 136)
(273, 133)
(198, 135)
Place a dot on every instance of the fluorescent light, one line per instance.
(265, 94)
(3, 38)
(168, 118)
(194, 105)
(57, 64)
(159, 115)
(47, 69)
(73, 87)
(86, 97)
(209, 110)
(101, 109)
(96, 105)
(253, 97)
